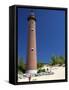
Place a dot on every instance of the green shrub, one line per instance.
(39, 65)
(21, 65)
(41, 70)
(20, 68)
(57, 60)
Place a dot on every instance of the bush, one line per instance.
(41, 70)
(39, 65)
(21, 66)
(57, 60)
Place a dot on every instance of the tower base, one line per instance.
(31, 71)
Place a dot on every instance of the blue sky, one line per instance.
(50, 33)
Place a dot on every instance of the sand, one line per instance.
(59, 73)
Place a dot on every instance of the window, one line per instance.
(32, 49)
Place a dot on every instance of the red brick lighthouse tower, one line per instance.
(31, 65)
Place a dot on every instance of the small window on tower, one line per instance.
(32, 30)
(32, 49)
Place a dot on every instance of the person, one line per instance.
(29, 77)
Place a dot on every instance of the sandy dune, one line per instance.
(59, 73)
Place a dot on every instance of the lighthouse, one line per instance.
(31, 62)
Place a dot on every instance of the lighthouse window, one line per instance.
(32, 49)
(32, 30)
